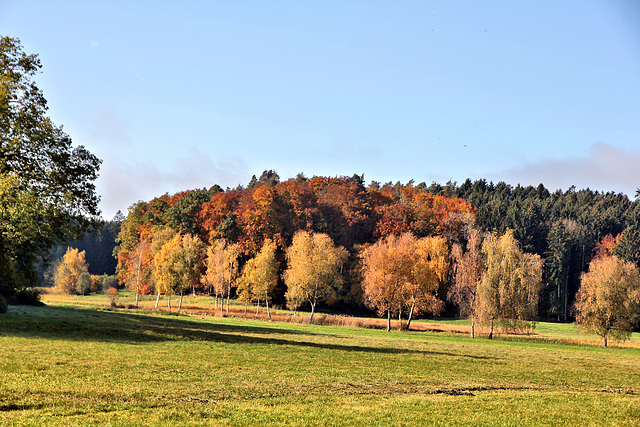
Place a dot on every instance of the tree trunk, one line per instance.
(388, 320)
(257, 307)
(413, 306)
(245, 309)
(216, 306)
(137, 296)
(491, 330)
(313, 310)
(473, 328)
(605, 340)
(169, 302)
(400, 318)
(228, 297)
(266, 301)
(157, 299)
(180, 303)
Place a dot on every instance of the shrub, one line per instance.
(4, 306)
(28, 296)
(113, 295)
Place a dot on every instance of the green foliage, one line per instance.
(39, 206)
(83, 285)
(28, 296)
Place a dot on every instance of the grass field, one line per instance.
(75, 362)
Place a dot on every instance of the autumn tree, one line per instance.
(177, 265)
(608, 301)
(260, 276)
(159, 238)
(510, 286)
(222, 267)
(139, 264)
(404, 272)
(47, 190)
(468, 270)
(66, 277)
(314, 271)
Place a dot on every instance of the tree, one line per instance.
(314, 270)
(68, 273)
(139, 267)
(608, 301)
(177, 265)
(468, 269)
(510, 286)
(260, 275)
(53, 196)
(404, 272)
(160, 237)
(222, 267)
(83, 286)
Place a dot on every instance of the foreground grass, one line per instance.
(82, 365)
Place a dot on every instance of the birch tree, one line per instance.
(314, 271)
(468, 270)
(510, 285)
(608, 301)
(222, 268)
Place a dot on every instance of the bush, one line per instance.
(113, 295)
(4, 306)
(29, 296)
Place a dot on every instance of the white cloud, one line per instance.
(605, 168)
(122, 184)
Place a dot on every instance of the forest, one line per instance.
(565, 230)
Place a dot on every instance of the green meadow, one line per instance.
(77, 362)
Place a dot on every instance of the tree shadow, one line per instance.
(79, 324)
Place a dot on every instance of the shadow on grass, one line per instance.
(80, 324)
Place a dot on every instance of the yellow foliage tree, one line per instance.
(608, 301)
(260, 276)
(314, 270)
(222, 267)
(177, 265)
(510, 285)
(72, 265)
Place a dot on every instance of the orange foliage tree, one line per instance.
(608, 300)
(404, 272)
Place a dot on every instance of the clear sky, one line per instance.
(176, 95)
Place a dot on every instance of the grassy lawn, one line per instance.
(73, 362)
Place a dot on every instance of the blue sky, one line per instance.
(182, 95)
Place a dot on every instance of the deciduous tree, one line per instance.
(510, 287)
(53, 196)
(69, 270)
(404, 272)
(314, 271)
(260, 275)
(177, 265)
(608, 301)
(139, 264)
(222, 267)
(469, 267)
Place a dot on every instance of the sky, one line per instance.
(182, 95)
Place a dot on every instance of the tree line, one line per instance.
(515, 256)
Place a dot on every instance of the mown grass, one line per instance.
(78, 363)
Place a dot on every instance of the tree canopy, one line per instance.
(47, 185)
